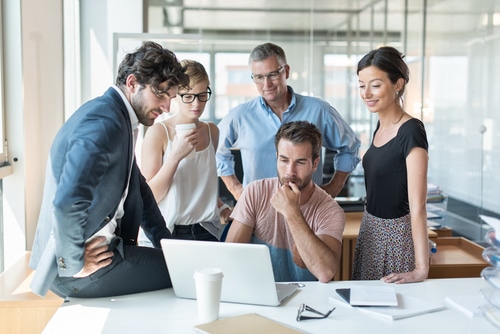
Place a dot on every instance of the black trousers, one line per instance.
(192, 232)
(140, 269)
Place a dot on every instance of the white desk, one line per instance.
(161, 312)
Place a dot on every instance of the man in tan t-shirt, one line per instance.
(300, 223)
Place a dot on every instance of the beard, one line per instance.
(300, 183)
(137, 103)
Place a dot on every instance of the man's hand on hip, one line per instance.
(95, 257)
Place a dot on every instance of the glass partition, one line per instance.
(451, 47)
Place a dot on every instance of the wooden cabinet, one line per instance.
(21, 311)
(455, 257)
(351, 230)
(443, 232)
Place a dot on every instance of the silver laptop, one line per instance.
(248, 273)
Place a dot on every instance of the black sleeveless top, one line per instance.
(385, 171)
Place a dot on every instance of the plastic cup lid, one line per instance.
(208, 274)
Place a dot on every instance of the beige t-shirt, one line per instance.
(321, 212)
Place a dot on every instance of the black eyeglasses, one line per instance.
(202, 97)
(258, 78)
(304, 307)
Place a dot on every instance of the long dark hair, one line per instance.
(389, 60)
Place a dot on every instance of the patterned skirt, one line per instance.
(384, 246)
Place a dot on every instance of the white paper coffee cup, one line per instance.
(181, 130)
(208, 282)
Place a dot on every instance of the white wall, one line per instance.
(34, 110)
(34, 93)
(100, 19)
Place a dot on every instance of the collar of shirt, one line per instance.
(134, 121)
(290, 107)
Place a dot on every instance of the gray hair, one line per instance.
(266, 50)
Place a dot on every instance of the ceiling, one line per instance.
(302, 16)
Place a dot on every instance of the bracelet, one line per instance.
(224, 207)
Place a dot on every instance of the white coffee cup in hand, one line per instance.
(208, 282)
(181, 130)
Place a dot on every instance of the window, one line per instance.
(233, 82)
(3, 151)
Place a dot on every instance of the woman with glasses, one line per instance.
(185, 184)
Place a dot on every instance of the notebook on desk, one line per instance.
(248, 273)
(369, 295)
(406, 305)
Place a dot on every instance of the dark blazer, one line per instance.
(87, 173)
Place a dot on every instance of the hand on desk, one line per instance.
(417, 275)
(95, 257)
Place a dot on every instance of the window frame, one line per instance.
(5, 168)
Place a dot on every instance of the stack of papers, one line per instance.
(406, 306)
(369, 296)
(433, 189)
(433, 215)
(492, 221)
(467, 304)
(434, 194)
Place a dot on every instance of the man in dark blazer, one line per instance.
(95, 198)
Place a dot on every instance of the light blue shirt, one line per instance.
(252, 126)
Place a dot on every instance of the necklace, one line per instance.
(389, 129)
(400, 117)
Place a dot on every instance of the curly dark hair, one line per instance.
(152, 64)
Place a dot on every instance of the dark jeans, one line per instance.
(142, 269)
(192, 232)
(226, 229)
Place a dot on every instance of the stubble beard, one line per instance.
(137, 103)
(300, 183)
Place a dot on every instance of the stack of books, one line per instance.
(436, 206)
(435, 194)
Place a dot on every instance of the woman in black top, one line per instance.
(392, 243)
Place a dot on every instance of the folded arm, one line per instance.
(336, 184)
(233, 185)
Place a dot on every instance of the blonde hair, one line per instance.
(196, 73)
